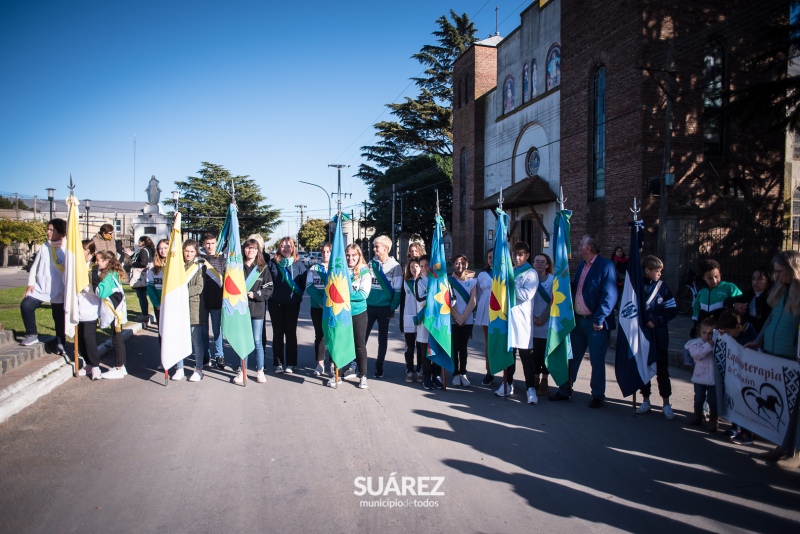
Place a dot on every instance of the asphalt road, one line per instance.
(134, 456)
(13, 277)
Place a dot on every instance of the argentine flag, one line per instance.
(633, 348)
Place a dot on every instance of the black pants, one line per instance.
(87, 342)
(27, 309)
(359, 338)
(118, 341)
(319, 339)
(662, 378)
(460, 337)
(411, 345)
(284, 329)
(526, 357)
(539, 348)
(429, 369)
(381, 314)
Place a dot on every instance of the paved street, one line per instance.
(12, 277)
(135, 456)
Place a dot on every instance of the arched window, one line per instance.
(713, 85)
(598, 133)
(553, 66)
(534, 79)
(463, 186)
(525, 93)
(508, 94)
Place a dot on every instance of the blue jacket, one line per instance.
(599, 290)
(660, 311)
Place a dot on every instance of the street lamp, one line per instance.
(329, 206)
(87, 203)
(50, 196)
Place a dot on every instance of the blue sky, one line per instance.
(272, 90)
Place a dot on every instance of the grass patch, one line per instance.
(12, 319)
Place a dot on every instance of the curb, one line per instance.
(39, 383)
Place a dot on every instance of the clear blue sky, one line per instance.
(272, 90)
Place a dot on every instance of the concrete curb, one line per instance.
(42, 381)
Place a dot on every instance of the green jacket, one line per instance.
(197, 309)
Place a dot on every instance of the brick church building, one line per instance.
(578, 98)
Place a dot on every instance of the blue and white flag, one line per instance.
(633, 348)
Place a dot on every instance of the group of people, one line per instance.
(765, 317)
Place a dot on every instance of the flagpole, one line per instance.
(75, 339)
(561, 201)
(635, 209)
(505, 371)
(438, 214)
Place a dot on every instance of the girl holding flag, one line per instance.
(155, 279)
(258, 282)
(465, 286)
(107, 277)
(362, 283)
(315, 287)
(88, 312)
(195, 281)
(288, 276)
(412, 272)
(482, 311)
(430, 370)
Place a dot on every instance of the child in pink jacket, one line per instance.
(701, 350)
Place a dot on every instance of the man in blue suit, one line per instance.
(594, 295)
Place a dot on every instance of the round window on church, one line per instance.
(532, 162)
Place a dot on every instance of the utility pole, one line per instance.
(16, 204)
(302, 207)
(394, 195)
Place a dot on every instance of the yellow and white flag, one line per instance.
(173, 323)
(76, 273)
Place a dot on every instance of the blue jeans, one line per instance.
(582, 337)
(258, 325)
(216, 318)
(197, 347)
(141, 294)
(703, 394)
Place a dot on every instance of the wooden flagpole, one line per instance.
(76, 338)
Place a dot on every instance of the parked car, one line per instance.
(314, 258)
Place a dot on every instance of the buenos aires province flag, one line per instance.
(562, 317)
(236, 325)
(76, 272)
(633, 348)
(337, 319)
(437, 304)
(173, 322)
(500, 350)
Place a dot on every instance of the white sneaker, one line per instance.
(362, 384)
(86, 369)
(409, 377)
(113, 373)
(160, 367)
(97, 373)
(668, 413)
(260, 378)
(465, 381)
(501, 393)
(278, 369)
(418, 377)
(60, 349)
(178, 374)
(456, 380)
(289, 369)
(197, 376)
(320, 370)
(238, 379)
(532, 398)
(332, 383)
(645, 407)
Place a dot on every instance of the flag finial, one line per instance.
(71, 185)
(561, 200)
(635, 209)
(500, 199)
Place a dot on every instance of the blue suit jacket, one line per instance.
(599, 290)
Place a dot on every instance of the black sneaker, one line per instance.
(427, 384)
(437, 382)
(220, 362)
(488, 379)
(206, 361)
(378, 373)
(348, 371)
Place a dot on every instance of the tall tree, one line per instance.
(416, 182)
(424, 124)
(205, 199)
(25, 232)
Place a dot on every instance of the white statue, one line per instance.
(153, 191)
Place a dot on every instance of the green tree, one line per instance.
(27, 232)
(8, 203)
(424, 124)
(205, 199)
(417, 183)
(313, 233)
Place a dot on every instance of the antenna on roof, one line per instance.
(496, 25)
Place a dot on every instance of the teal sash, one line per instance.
(380, 276)
(455, 284)
(287, 277)
(252, 277)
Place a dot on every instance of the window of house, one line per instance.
(598, 133)
(463, 186)
(508, 94)
(553, 66)
(118, 226)
(532, 161)
(712, 98)
(525, 93)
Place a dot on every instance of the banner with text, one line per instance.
(759, 391)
